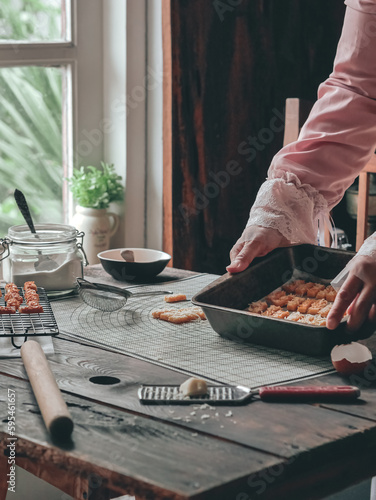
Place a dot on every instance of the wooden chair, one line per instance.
(362, 212)
(297, 111)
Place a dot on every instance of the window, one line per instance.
(34, 76)
(72, 73)
(50, 97)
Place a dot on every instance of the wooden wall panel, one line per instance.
(229, 66)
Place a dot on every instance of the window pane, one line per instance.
(31, 143)
(33, 20)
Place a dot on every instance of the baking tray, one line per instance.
(224, 301)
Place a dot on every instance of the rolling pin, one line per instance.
(46, 391)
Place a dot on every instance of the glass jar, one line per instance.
(52, 257)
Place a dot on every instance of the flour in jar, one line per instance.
(62, 278)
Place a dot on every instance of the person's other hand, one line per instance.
(255, 241)
(357, 294)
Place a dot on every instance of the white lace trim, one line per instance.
(293, 208)
(368, 249)
(369, 246)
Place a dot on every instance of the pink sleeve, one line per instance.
(308, 177)
(362, 5)
(339, 136)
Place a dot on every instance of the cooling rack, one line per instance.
(28, 325)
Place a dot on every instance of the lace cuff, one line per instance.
(369, 247)
(289, 206)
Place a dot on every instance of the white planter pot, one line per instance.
(98, 226)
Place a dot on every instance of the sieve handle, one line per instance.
(88, 285)
(154, 292)
(46, 391)
(84, 284)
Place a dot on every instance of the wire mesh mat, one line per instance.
(193, 348)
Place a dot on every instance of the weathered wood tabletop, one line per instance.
(119, 447)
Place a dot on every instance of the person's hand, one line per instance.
(357, 294)
(255, 241)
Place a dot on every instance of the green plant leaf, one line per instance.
(96, 187)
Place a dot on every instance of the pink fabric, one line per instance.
(339, 136)
(363, 5)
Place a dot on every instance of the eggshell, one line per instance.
(350, 359)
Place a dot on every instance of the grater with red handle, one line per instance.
(237, 395)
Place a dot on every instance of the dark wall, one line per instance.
(233, 64)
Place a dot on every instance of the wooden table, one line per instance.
(119, 447)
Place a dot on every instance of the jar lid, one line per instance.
(45, 233)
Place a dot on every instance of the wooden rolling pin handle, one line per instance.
(51, 403)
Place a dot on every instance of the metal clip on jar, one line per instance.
(53, 257)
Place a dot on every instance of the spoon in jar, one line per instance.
(44, 263)
(108, 298)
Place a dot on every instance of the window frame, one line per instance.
(144, 138)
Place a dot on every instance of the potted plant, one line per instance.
(94, 189)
